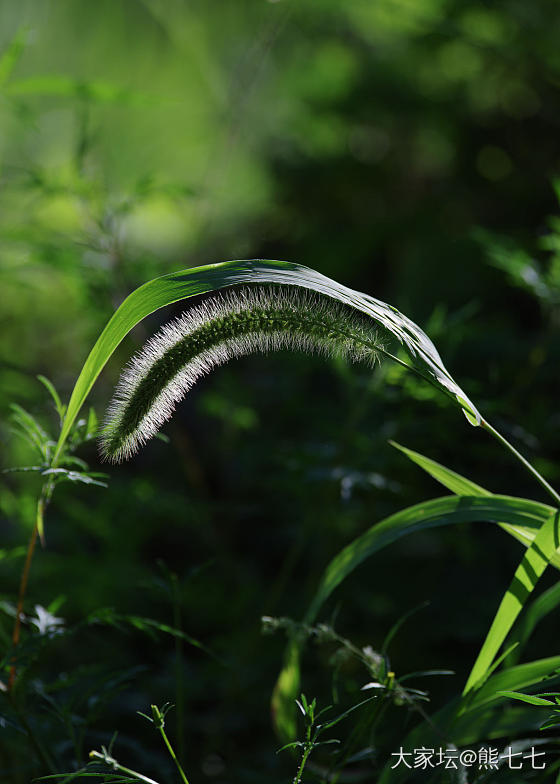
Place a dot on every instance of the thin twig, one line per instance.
(21, 596)
(542, 481)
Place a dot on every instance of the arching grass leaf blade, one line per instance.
(176, 286)
(462, 486)
(527, 574)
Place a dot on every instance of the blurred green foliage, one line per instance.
(407, 148)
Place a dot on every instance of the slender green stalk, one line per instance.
(307, 749)
(173, 756)
(38, 530)
(21, 597)
(108, 760)
(158, 719)
(540, 479)
(23, 584)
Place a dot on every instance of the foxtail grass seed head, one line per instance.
(241, 322)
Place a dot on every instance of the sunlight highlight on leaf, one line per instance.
(449, 510)
(162, 291)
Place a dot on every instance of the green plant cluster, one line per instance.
(535, 524)
(406, 150)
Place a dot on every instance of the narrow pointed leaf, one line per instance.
(458, 484)
(539, 609)
(11, 55)
(176, 286)
(346, 713)
(522, 676)
(462, 486)
(49, 386)
(449, 510)
(29, 425)
(527, 574)
(69, 87)
(528, 698)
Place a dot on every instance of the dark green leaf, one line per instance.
(529, 698)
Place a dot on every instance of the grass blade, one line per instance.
(527, 574)
(462, 486)
(528, 698)
(68, 87)
(11, 55)
(514, 678)
(458, 484)
(449, 510)
(541, 607)
(49, 386)
(176, 286)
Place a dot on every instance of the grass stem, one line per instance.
(23, 585)
(158, 720)
(173, 755)
(108, 760)
(308, 748)
(542, 481)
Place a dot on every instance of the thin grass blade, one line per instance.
(458, 484)
(539, 609)
(528, 698)
(167, 289)
(527, 574)
(462, 486)
(449, 510)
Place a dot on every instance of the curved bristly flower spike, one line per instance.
(242, 322)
